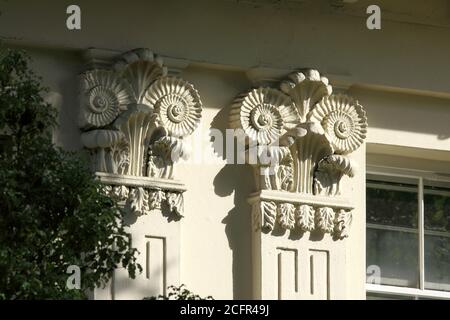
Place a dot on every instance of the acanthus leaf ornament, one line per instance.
(342, 224)
(280, 175)
(305, 216)
(175, 202)
(102, 144)
(286, 215)
(268, 211)
(138, 201)
(329, 172)
(156, 199)
(120, 157)
(120, 192)
(284, 171)
(325, 219)
(309, 135)
(134, 119)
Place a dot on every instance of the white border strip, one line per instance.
(410, 292)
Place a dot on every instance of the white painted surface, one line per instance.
(214, 240)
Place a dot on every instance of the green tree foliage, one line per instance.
(179, 293)
(52, 211)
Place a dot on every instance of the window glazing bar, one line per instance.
(421, 224)
(410, 292)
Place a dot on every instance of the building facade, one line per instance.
(342, 187)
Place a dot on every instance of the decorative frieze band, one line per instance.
(274, 209)
(134, 118)
(140, 195)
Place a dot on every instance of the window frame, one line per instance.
(420, 176)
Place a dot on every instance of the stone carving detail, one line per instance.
(267, 211)
(343, 120)
(138, 201)
(156, 198)
(309, 148)
(120, 192)
(175, 201)
(264, 114)
(329, 173)
(134, 118)
(177, 103)
(342, 223)
(103, 96)
(286, 215)
(161, 156)
(141, 201)
(306, 89)
(325, 219)
(303, 217)
(308, 133)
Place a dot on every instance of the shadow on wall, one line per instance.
(58, 70)
(122, 287)
(237, 178)
(405, 112)
(442, 136)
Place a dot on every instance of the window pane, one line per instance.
(392, 233)
(395, 253)
(437, 206)
(392, 203)
(437, 236)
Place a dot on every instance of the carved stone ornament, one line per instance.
(308, 134)
(134, 118)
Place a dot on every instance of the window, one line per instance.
(408, 235)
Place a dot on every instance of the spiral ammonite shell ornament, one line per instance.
(104, 96)
(343, 120)
(177, 103)
(264, 114)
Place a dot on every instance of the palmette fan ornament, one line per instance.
(306, 88)
(177, 103)
(140, 67)
(343, 120)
